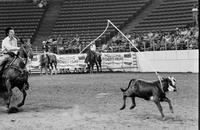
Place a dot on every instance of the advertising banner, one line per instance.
(118, 61)
(110, 62)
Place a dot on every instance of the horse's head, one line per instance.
(26, 51)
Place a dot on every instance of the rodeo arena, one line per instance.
(99, 65)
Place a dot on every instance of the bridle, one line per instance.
(24, 60)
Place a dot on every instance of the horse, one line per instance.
(14, 73)
(91, 59)
(49, 63)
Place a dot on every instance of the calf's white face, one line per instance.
(172, 84)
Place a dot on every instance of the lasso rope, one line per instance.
(96, 38)
(130, 42)
(159, 77)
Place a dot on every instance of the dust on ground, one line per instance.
(92, 102)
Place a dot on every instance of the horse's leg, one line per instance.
(51, 68)
(56, 70)
(46, 69)
(100, 66)
(92, 68)
(49, 71)
(41, 70)
(97, 66)
(9, 89)
(24, 97)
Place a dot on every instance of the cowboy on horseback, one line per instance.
(93, 47)
(13, 66)
(93, 57)
(45, 48)
(47, 59)
(94, 50)
(9, 44)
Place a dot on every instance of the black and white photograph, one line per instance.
(99, 65)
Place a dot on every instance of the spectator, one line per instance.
(42, 3)
(104, 47)
(195, 13)
(35, 2)
(114, 39)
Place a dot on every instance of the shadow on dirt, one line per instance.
(155, 117)
(44, 107)
(13, 110)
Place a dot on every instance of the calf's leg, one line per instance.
(133, 102)
(124, 102)
(160, 108)
(169, 102)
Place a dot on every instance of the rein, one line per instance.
(16, 67)
(24, 50)
(24, 60)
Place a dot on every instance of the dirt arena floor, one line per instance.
(92, 102)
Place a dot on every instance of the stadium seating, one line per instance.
(88, 18)
(171, 14)
(24, 16)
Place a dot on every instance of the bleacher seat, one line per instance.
(88, 18)
(24, 16)
(171, 14)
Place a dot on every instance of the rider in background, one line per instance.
(93, 47)
(9, 44)
(45, 48)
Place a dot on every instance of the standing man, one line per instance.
(195, 13)
(9, 44)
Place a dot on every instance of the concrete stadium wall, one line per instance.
(14, 0)
(169, 61)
